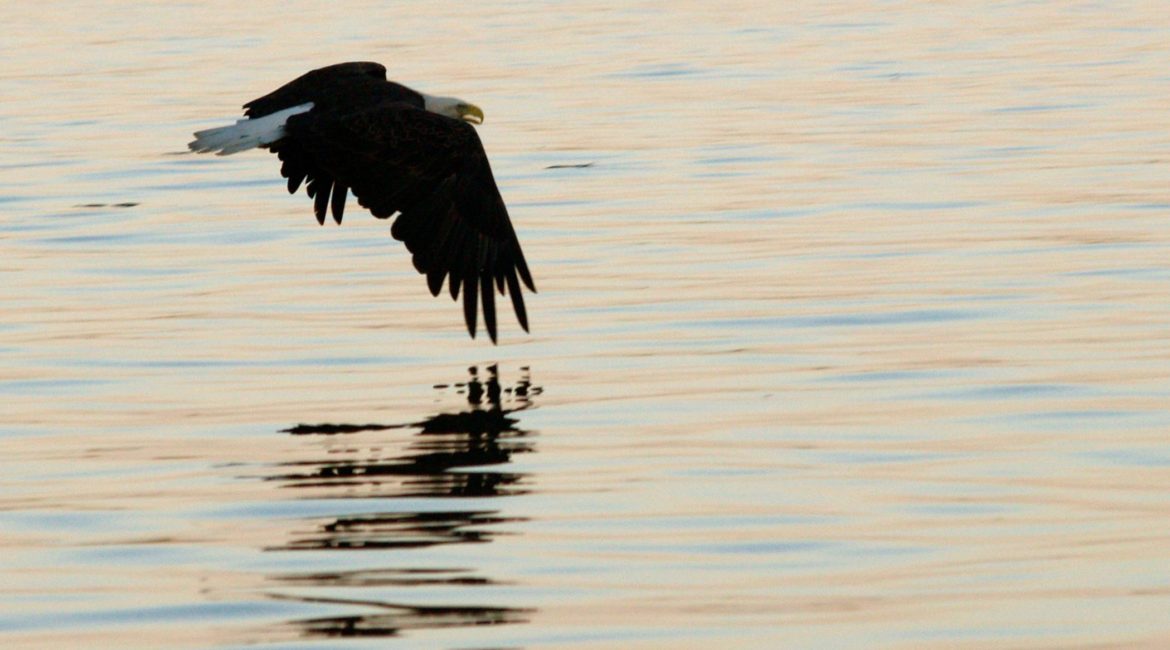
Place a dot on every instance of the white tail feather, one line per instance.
(246, 133)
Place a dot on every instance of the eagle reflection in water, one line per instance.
(434, 465)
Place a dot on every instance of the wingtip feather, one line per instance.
(470, 300)
(338, 204)
(517, 300)
(489, 304)
(522, 267)
(435, 281)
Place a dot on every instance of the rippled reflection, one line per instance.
(435, 463)
(398, 617)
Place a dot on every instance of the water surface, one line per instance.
(852, 332)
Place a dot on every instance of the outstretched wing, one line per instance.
(433, 173)
(317, 85)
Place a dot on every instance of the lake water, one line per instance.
(853, 331)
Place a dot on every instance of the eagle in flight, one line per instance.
(404, 154)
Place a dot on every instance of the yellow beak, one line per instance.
(470, 113)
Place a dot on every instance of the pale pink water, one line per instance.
(855, 333)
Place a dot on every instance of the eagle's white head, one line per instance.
(453, 107)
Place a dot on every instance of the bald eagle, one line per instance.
(346, 128)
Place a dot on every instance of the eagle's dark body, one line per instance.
(376, 139)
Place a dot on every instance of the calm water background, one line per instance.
(853, 333)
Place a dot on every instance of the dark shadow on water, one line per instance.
(399, 530)
(397, 618)
(449, 455)
(484, 435)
